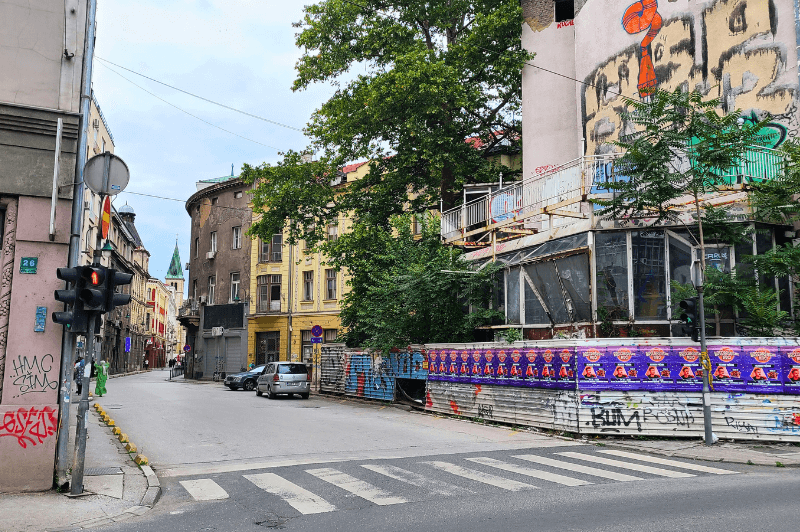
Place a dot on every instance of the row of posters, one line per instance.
(754, 369)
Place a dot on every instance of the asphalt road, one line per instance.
(231, 461)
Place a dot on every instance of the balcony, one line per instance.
(189, 313)
(560, 196)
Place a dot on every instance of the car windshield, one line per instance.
(258, 369)
(292, 369)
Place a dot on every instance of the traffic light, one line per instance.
(94, 293)
(691, 324)
(114, 299)
(75, 319)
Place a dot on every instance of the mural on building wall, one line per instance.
(727, 49)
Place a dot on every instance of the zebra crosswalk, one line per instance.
(315, 490)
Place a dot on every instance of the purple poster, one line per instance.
(516, 368)
(729, 367)
(791, 370)
(433, 365)
(654, 368)
(686, 368)
(531, 375)
(565, 369)
(765, 369)
(622, 368)
(591, 368)
(547, 362)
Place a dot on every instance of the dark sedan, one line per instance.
(245, 380)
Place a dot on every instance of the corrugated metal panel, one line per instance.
(544, 408)
(407, 365)
(740, 416)
(333, 368)
(370, 376)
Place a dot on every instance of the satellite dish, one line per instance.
(106, 174)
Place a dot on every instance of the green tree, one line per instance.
(414, 291)
(414, 81)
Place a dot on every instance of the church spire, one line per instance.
(175, 271)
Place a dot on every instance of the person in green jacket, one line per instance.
(102, 376)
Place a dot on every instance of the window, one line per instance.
(196, 247)
(308, 286)
(212, 282)
(148, 321)
(237, 238)
(329, 335)
(330, 278)
(649, 275)
(612, 274)
(237, 194)
(333, 232)
(565, 10)
(104, 146)
(214, 201)
(235, 279)
(89, 242)
(418, 221)
(213, 246)
(269, 293)
(272, 251)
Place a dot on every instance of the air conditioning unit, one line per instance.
(187, 266)
(194, 304)
(96, 123)
(87, 204)
(216, 331)
(211, 254)
(202, 300)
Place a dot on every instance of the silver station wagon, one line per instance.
(284, 378)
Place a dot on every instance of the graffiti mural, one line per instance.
(729, 49)
(29, 425)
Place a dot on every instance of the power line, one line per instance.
(187, 112)
(201, 97)
(183, 201)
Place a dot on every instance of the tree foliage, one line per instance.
(400, 295)
(414, 80)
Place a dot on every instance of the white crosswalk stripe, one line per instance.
(420, 481)
(299, 498)
(578, 468)
(672, 463)
(204, 489)
(355, 486)
(529, 471)
(626, 465)
(480, 476)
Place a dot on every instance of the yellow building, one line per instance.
(292, 290)
(157, 345)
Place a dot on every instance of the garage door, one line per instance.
(234, 361)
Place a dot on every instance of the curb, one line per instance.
(151, 495)
(763, 460)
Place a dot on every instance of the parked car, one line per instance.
(284, 378)
(245, 380)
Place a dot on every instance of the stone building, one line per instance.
(219, 278)
(175, 283)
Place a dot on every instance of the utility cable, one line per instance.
(200, 97)
(187, 112)
(183, 201)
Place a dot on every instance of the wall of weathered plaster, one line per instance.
(29, 401)
(743, 51)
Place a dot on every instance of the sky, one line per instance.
(238, 52)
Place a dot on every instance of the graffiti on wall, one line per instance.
(33, 374)
(727, 49)
(29, 425)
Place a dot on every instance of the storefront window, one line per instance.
(611, 254)
(649, 275)
(512, 296)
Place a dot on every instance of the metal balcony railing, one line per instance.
(554, 198)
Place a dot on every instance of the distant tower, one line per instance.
(174, 275)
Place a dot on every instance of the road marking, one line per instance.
(529, 471)
(355, 486)
(578, 468)
(420, 481)
(300, 499)
(627, 465)
(204, 489)
(673, 463)
(480, 476)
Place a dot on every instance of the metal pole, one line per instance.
(68, 338)
(56, 168)
(76, 485)
(709, 436)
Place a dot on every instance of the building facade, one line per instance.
(160, 342)
(175, 283)
(42, 65)
(219, 278)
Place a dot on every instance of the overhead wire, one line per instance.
(182, 201)
(187, 112)
(251, 115)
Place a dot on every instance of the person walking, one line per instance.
(102, 376)
(146, 364)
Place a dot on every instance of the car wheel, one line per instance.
(258, 391)
(270, 395)
(249, 386)
(305, 395)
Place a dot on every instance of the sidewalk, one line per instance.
(118, 484)
(754, 453)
